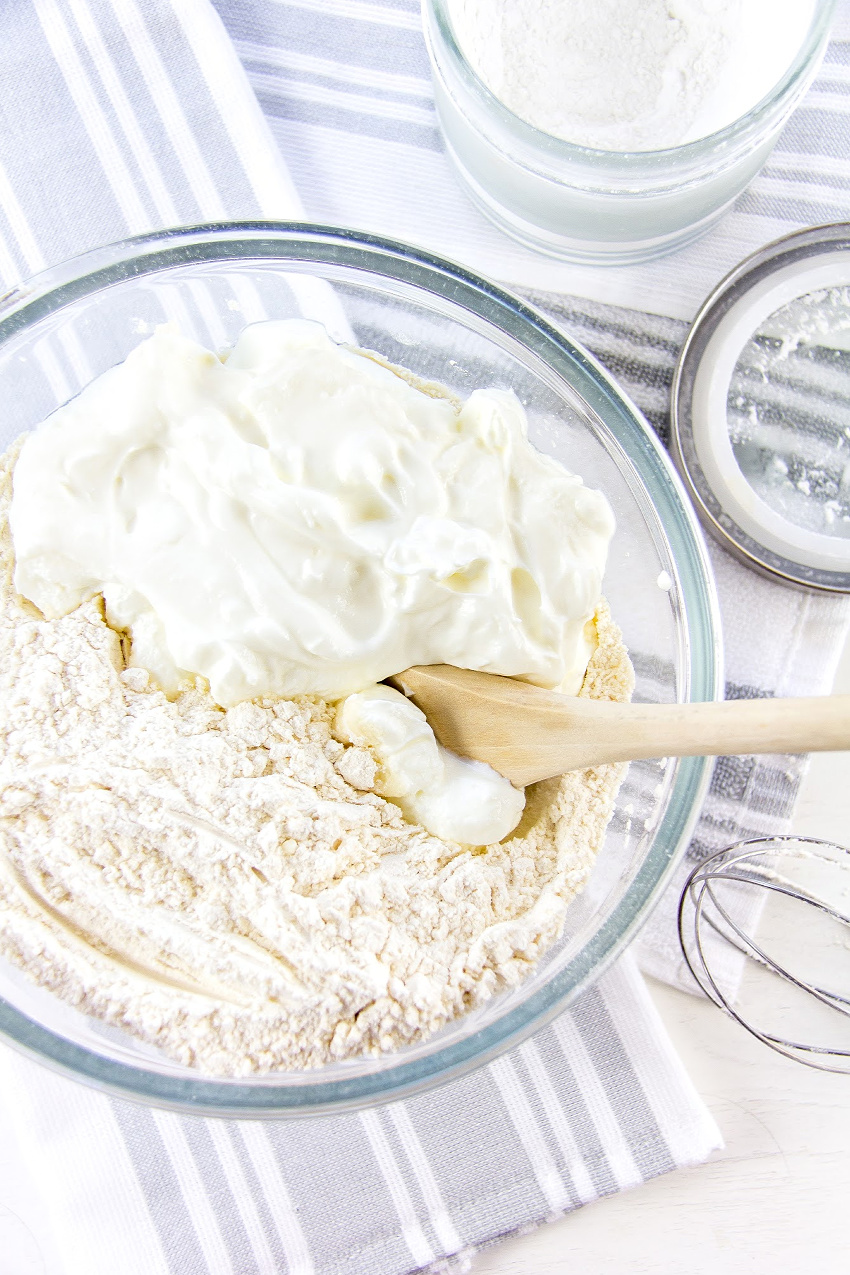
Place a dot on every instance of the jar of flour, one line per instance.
(614, 131)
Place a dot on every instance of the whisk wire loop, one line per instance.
(748, 866)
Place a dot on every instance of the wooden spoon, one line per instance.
(527, 734)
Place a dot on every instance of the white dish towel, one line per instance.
(118, 117)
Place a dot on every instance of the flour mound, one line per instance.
(224, 886)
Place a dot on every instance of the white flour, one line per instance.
(630, 74)
(220, 884)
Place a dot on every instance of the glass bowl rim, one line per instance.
(740, 129)
(275, 1096)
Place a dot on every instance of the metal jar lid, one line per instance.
(761, 410)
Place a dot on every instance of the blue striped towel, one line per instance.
(116, 117)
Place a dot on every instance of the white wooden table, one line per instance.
(774, 1202)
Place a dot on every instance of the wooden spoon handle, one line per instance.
(626, 732)
(530, 734)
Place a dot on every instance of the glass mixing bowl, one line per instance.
(72, 322)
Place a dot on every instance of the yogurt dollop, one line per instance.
(297, 518)
(453, 797)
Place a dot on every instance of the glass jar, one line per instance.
(597, 206)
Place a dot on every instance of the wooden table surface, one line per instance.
(774, 1202)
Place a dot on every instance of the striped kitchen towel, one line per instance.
(593, 1104)
(118, 116)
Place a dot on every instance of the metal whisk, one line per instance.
(718, 906)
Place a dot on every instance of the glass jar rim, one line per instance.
(536, 139)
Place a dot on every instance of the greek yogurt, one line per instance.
(296, 517)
